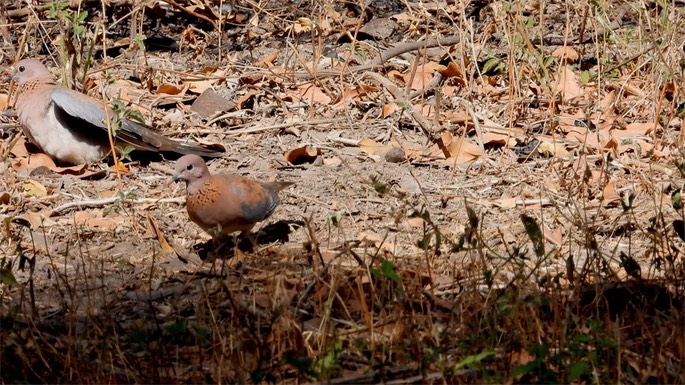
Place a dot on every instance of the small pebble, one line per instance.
(395, 155)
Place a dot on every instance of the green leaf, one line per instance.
(7, 277)
(388, 270)
(491, 64)
(677, 199)
(473, 360)
(523, 369)
(534, 233)
(578, 369)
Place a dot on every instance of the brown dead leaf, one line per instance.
(268, 60)
(496, 138)
(34, 188)
(416, 222)
(34, 220)
(638, 129)
(242, 102)
(160, 237)
(96, 219)
(371, 147)
(210, 103)
(314, 94)
(423, 75)
(453, 70)
(389, 109)
(568, 54)
(377, 241)
(456, 151)
(609, 194)
(334, 161)
(119, 167)
(505, 203)
(554, 149)
(169, 89)
(4, 101)
(552, 236)
(567, 84)
(300, 155)
(352, 94)
(26, 161)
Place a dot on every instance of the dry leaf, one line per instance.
(568, 53)
(456, 151)
(334, 161)
(27, 161)
(377, 241)
(5, 198)
(268, 60)
(609, 194)
(452, 70)
(160, 237)
(304, 154)
(95, 218)
(567, 84)
(314, 94)
(423, 75)
(370, 146)
(169, 89)
(505, 203)
(389, 109)
(34, 188)
(553, 149)
(355, 93)
(35, 220)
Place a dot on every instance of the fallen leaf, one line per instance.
(355, 93)
(456, 151)
(389, 109)
(34, 220)
(314, 94)
(169, 89)
(34, 188)
(268, 60)
(24, 160)
(370, 146)
(505, 203)
(567, 84)
(609, 194)
(95, 219)
(4, 102)
(304, 154)
(423, 75)
(160, 237)
(334, 161)
(567, 53)
(210, 103)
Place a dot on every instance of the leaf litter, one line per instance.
(561, 168)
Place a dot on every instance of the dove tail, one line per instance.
(196, 149)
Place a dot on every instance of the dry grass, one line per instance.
(543, 258)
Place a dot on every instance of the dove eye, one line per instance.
(189, 167)
(22, 68)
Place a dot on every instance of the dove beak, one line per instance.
(175, 178)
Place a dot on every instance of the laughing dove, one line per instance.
(70, 126)
(225, 202)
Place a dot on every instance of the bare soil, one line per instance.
(374, 267)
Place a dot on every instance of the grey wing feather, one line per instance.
(82, 107)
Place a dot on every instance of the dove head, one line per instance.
(192, 169)
(30, 69)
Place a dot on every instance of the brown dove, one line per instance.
(225, 203)
(70, 126)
